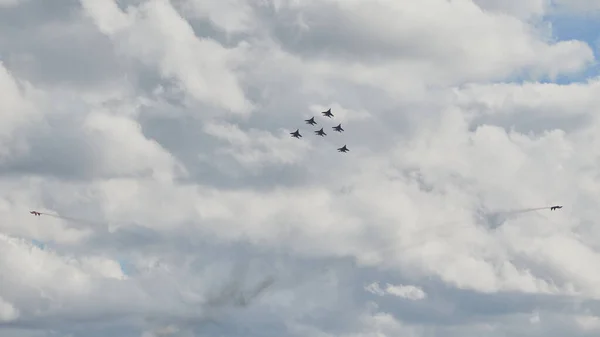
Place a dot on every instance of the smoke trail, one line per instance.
(524, 210)
(508, 213)
(82, 221)
(498, 218)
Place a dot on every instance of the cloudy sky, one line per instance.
(154, 135)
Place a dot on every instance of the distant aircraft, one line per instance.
(296, 134)
(338, 128)
(310, 121)
(35, 213)
(343, 149)
(555, 207)
(320, 133)
(327, 113)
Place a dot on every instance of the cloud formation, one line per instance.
(154, 137)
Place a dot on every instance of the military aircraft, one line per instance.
(320, 133)
(327, 113)
(338, 128)
(35, 213)
(343, 149)
(311, 121)
(296, 134)
(555, 207)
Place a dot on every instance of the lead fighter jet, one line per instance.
(338, 128)
(320, 133)
(311, 121)
(555, 207)
(296, 134)
(343, 149)
(327, 113)
(35, 213)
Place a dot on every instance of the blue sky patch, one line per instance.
(126, 267)
(38, 244)
(577, 27)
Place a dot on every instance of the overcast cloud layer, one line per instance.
(157, 134)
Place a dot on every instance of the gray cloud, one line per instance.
(156, 134)
(50, 45)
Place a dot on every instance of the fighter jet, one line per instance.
(311, 121)
(296, 134)
(555, 207)
(327, 113)
(320, 133)
(35, 213)
(343, 149)
(338, 128)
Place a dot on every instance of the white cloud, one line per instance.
(410, 292)
(7, 311)
(521, 9)
(256, 148)
(406, 291)
(123, 149)
(181, 203)
(107, 16)
(16, 110)
(232, 16)
(39, 273)
(429, 42)
(155, 34)
(588, 322)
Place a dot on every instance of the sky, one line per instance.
(154, 136)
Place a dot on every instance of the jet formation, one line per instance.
(311, 121)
